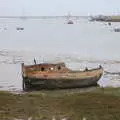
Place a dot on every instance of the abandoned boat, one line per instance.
(53, 76)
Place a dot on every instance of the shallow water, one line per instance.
(52, 40)
(83, 38)
(10, 71)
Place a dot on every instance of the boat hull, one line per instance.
(35, 83)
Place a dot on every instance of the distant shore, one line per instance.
(44, 17)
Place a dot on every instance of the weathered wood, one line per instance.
(50, 76)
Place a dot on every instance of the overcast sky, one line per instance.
(59, 7)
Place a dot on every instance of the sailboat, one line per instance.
(69, 21)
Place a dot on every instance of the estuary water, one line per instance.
(81, 44)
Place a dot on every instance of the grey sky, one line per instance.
(59, 7)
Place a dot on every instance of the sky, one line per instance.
(58, 7)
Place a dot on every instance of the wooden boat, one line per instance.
(53, 76)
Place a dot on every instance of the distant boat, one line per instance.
(70, 22)
(97, 18)
(19, 28)
(69, 17)
(117, 29)
(54, 76)
(109, 23)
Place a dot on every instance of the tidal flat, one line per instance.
(94, 104)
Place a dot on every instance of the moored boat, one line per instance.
(19, 28)
(116, 29)
(58, 76)
(70, 22)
